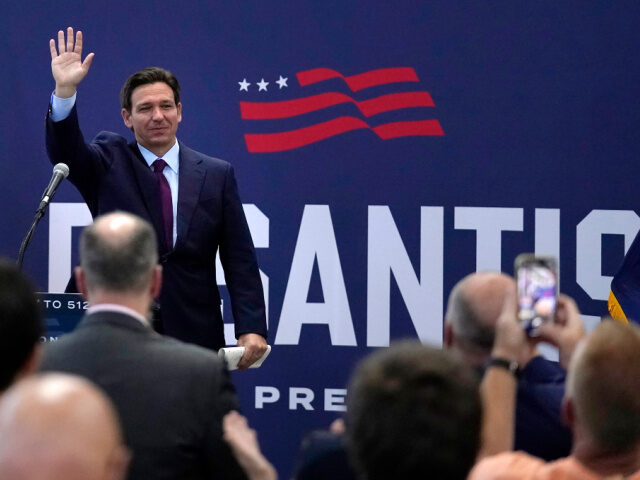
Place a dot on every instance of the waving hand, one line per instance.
(67, 66)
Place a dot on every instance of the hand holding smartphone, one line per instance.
(537, 280)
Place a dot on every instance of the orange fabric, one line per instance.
(615, 310)
(520, 466)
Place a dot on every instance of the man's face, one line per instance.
(154, 117)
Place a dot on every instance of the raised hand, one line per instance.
(67, 66)
(244, 445)
(566, 331)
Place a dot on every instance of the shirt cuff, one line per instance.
(61, 107)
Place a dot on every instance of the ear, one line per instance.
(81, 282)
(448, 335)
(179, 107)
(118, 464)
(568, 412)
(126, 117)
(156, 282)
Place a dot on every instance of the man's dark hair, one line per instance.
(413, 411)
(145, 76)
(20, 322)
(121, 263)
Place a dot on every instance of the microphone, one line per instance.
(60, 172)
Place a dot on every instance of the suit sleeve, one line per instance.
(66, 144)
(238, 258)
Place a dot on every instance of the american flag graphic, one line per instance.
(258, 113)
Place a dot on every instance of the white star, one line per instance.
(244, 85)
(282, 82)
(262, 85)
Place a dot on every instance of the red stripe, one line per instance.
(277, 142)
(299, 106)
(362, 80)
(395, 101)
(409, 129)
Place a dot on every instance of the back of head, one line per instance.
(20, 322)
(604, 386)
(146, 76)
(413, 411)
(474, 305)
(59, 426)
(118, 253)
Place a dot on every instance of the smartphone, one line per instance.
(537, 279)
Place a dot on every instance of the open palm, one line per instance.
(67, 66)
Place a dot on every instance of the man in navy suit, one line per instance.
(474, 306)
(190, 199)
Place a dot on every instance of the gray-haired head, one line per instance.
(118, 253)
(474, 305)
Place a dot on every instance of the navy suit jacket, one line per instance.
(539, 428)
(111, 174)
(170, 396)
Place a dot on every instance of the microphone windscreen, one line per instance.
(62, 169)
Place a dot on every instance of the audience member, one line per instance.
(413, 411)
(601, 405)
(473, 308)
(323, 455)
(59, 427)
(20, 325)
(244, 444)
(171, 396)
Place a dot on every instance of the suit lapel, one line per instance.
(149, 190)
(190, 179)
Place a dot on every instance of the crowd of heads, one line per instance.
(411, 408)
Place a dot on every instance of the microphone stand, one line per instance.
(27, 239)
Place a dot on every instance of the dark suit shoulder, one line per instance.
(109, 143)
(187, 353)
(208, 161)
(106, 137)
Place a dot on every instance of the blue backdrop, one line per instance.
(383, 150)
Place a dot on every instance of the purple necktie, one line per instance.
(164, 193)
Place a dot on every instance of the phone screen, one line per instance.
(537, 293)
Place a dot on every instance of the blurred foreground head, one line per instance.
(602, 401)
(413, 411)
(20, 325)
(59, 427)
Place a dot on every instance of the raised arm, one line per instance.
(67, 66)
(244, 445)
(498, 388)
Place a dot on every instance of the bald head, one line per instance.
(603, 384)
(474, 305)
(118, 253)
(59, 426)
